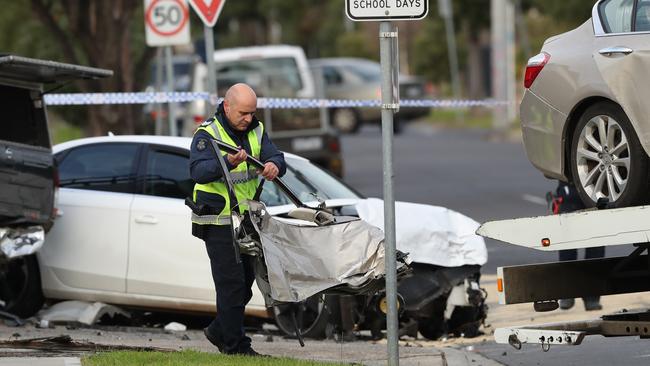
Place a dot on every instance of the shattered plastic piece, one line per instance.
(23, 241)
(44, 324)
(79, 311)
(175, 327)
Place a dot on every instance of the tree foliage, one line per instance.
(105, 34)
(572, 13)
(110, 34)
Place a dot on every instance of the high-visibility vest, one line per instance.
(243, 176)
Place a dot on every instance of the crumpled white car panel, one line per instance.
(429, 234)
(305, 260)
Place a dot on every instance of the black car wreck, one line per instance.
(28, 178)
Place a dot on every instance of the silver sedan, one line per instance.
(584, 113)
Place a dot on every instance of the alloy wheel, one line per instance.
(603, 158)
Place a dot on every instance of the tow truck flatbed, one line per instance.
(580, 229)
(545, 283)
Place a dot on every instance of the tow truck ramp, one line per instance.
(622, 324)
(543, 284)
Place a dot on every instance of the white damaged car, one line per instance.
(123, 233)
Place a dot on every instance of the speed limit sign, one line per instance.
(166, 22)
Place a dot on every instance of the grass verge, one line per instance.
(462, 117)
(190, 358)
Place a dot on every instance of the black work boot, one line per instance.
(251, 352)
(566, 304)
(592, 303)
(214, 340)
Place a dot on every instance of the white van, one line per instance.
(274, 71)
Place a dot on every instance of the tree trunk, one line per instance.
(99, 34)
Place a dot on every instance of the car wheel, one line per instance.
(312, 316)
(607, 160)
(20, 286)
(345, 120)
(434, 326)
(466, 321)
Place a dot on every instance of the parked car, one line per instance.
(274, 71)
(584, 113)
(123, 235)
(360, 79)
(28, 179)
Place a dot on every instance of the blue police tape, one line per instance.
(271, 103)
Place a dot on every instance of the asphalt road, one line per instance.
(485, 179)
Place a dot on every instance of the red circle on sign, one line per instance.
(147, 17)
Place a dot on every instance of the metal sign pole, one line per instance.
(447, 12)
(212, 77)
(170, 88)
(387, 35)
(159, 81)
(499, 67)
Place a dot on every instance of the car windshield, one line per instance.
(307, 181)
(272, 77)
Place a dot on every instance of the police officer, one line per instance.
(233, 123)
(567, 199)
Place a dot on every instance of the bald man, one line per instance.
(233, 123)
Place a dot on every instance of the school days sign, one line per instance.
(377, 10)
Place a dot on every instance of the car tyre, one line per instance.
(434, 326)
(345, 120)
(312, 317)
(20, 286)
(600, 170)
(466, 321)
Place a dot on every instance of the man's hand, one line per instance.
(270, 171)
(236, 159)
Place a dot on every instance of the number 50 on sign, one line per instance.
(166, 22)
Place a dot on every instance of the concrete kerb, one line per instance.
(359, 352)
(445, 357)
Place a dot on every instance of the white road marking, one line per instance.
(534, 199)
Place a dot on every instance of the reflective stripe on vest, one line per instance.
(210, 219)
(244, 178)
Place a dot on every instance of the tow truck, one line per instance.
(543, 284)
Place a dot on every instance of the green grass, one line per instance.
(189, 358)
(462, 118)
(61, 131)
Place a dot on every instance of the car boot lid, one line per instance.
(26, 69)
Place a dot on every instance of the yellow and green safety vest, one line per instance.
(244, 176)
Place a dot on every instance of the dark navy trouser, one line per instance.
(572, 254)
(232, 282)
